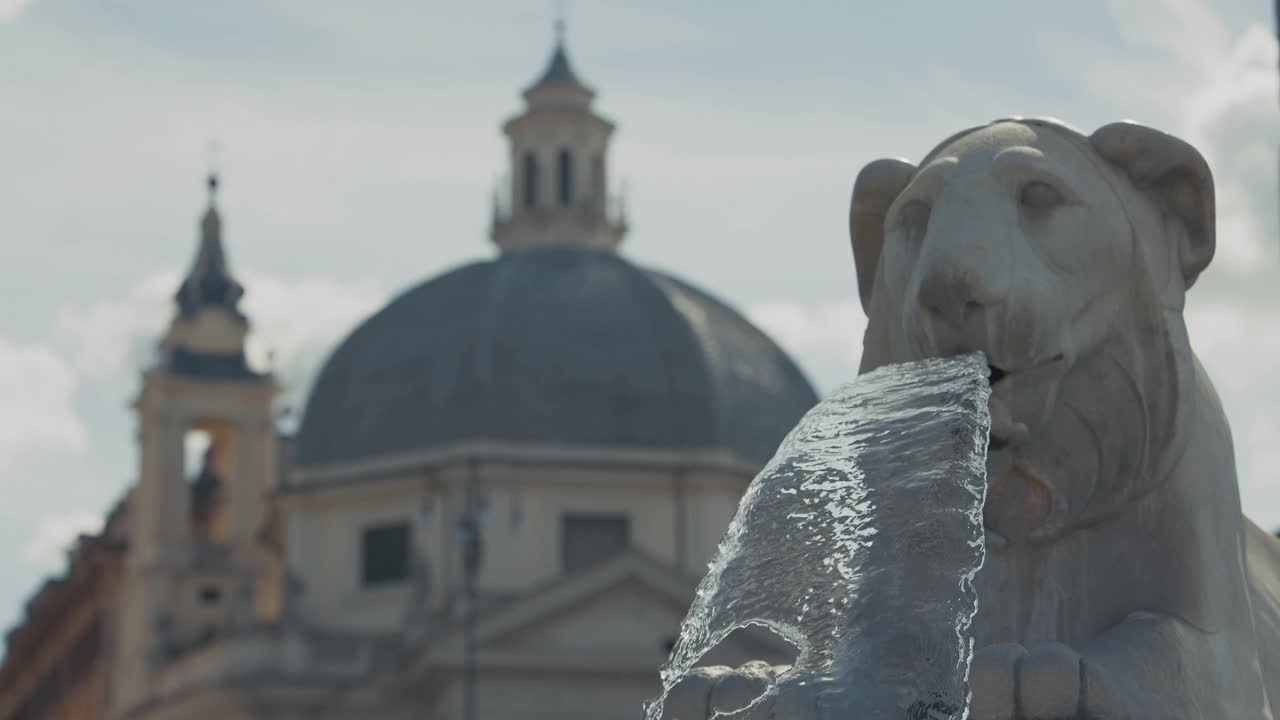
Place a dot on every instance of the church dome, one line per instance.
(553, 346)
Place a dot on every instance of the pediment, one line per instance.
(624, 611)
(627, 617)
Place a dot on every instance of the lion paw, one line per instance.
(1010, 682)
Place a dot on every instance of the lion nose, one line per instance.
(956, 293)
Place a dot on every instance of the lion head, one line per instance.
(1066, 259)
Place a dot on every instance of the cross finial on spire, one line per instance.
(213, 170)
(559, 22)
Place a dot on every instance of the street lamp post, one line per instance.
(471, 549)
(472, 541)
(468, 526)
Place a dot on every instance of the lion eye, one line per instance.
(1040, 195)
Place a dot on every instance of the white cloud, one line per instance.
(1218, 89)
(825, 336)
(10, 9)
(1168, 51)
(1239, 345)
(295, 323)
(1236, 342)
(1221, 94)
(37, 412)
(112, 337)
(300, 320)
(1187, 29)
(1233, 120)
(54, 535)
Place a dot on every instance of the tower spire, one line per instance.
(559, 83)
(206, 336)
(210, 283)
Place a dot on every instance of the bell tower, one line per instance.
(198, 567)
(558, 193)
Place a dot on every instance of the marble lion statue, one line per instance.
(1122, 580)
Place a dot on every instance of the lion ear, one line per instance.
(1176, 175)
(877, 186)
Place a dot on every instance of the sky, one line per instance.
(358, 145)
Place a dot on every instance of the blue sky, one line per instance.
(360, 142)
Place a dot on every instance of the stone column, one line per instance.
(160, 512)
(254, 464)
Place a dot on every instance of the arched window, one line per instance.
(566, 177)
(530, 180)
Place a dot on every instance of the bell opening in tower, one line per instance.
(207, 447)
(195, 447)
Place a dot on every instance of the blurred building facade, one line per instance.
(500, 497)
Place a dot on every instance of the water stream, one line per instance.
(858, 543)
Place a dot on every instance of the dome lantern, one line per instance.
(558, 193)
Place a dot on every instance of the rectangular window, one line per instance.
(586, 540)
(384, 551)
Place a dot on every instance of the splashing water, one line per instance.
(858, 543)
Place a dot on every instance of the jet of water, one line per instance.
(858, 543)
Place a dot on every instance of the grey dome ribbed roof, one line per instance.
(559, 346)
